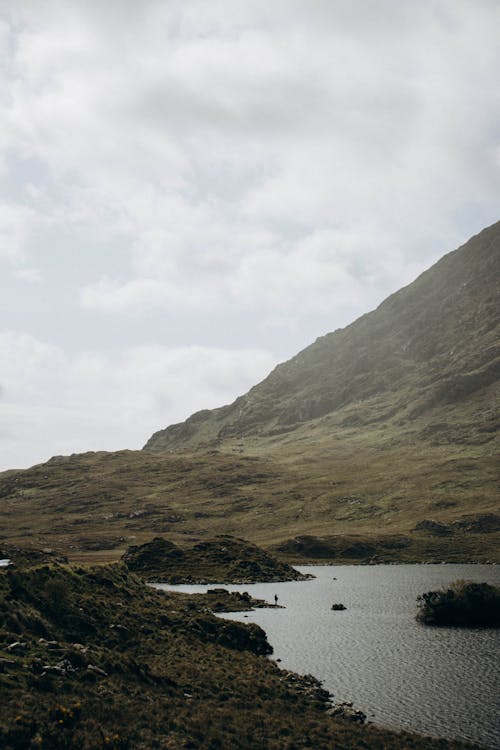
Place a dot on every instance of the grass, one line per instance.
(91, 658)
(364, 484)
(367, 433)
(221, 559)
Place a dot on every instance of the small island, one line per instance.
(463, 604)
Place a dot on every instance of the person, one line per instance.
(276, 600)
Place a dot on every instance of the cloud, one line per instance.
(171, 165)
(16, 223)
(111, 296)
(55, 404)
(225, 141)
(220, 125)
(29, 275)
(319, 115)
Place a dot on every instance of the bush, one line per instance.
(465, 604)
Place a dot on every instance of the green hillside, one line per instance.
(377, 442)
(433, 344)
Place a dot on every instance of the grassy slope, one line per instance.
(433, 344)
(369, 431)
(103, 662)
(387, 422)
(96, 505)
(224, 558)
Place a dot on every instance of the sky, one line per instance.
(192, 191)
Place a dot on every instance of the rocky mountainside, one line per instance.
(433, 343)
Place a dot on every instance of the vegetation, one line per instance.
(386, 430)
(359, 489)
(390, 548)
(224, 560)
(464, 603)
(428, 349)
(90, 658)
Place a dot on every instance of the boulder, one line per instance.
(346, 711)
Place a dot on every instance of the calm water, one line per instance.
(443, 682)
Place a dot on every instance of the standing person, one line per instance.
(276, 600)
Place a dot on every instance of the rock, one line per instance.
(62, 668)
(48, 644)
(80, 647)
(346, 711)
(249, 637)
(6, 663)
(120, 628)
(97, 670)
(17, 647)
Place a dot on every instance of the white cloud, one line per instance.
(51, 403)
(30, 275)
(111, 296)
(220, 129)
(271, 161)
(16, 223)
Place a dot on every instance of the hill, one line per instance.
(379, 442)
(433, 344)
(224, 558)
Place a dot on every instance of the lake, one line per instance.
(436, 681)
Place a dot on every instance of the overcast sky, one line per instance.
(194, 190)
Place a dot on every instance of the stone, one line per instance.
(17, 646)
(346, 711)
(97, 670)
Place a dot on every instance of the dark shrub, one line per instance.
(465, 604)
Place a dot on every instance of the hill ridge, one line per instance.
(430, 342)
(379, 442)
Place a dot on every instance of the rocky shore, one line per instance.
(91, 658)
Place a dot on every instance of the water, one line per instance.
(436, 681)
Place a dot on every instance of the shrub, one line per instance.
(465, 604)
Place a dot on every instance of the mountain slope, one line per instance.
(379, 441)
(433, 343)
